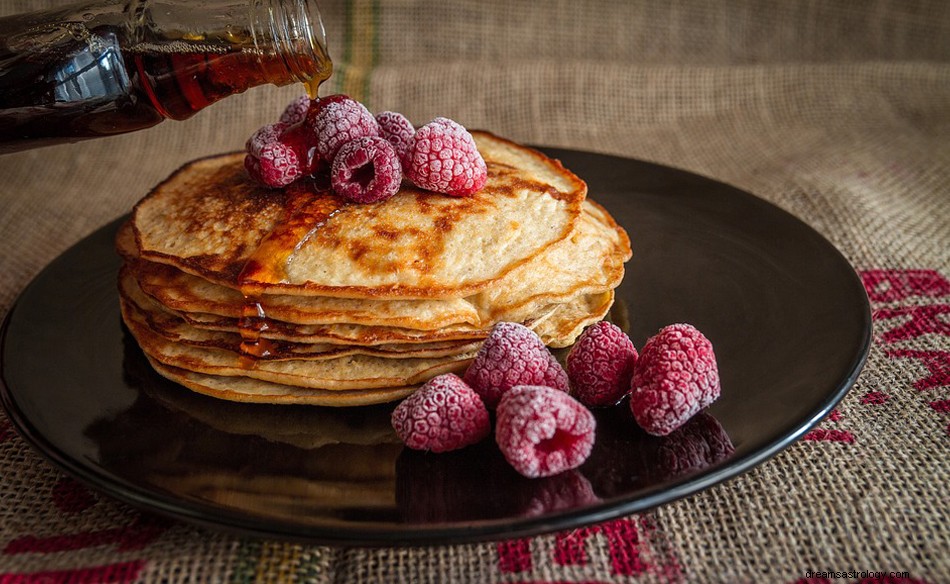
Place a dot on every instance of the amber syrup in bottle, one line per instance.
(101, 69)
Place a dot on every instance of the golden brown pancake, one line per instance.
(210, 220)
(292, 296)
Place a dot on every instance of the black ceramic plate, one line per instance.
(786, 313)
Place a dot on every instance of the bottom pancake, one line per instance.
(247, 390)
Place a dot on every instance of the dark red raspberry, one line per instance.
(600, 364)
(675, 377)
(270, 161)
(296, 111)
(317, 106)
(442, 415)
(513, 355)
(543, 431)
(399, 131)
(338, 120)
(266, 134)
(278, 154)
(444, 158)
(366, 170)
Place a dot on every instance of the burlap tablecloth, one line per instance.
(838, 112)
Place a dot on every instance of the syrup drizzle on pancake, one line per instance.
(307, 210)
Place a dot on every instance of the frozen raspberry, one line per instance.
(266, 134)
(366, 170)
(399, 131)
(443, 158)
(543, 431)
(296, 111)
(675, 377)
(278, 154)
(513, 355)
(276, 165)
(338, 120)
(600, 364)
(442, 415)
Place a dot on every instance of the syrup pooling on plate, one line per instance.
(306, 211)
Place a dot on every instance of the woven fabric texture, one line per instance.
(838, 112)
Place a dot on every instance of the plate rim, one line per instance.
(410, 534)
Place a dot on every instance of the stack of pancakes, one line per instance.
(294, 296)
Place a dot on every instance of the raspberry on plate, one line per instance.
(366, 170)
(600, 365)
(442, 415)
(675, 377)
(543, 431)
(399, 131)
(513, 355)
(337, 120)
(444, 158)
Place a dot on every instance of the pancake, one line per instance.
(247, 390)
(342, 373)
(292, 296)
(209, 220)
(172, 327)
(590, 260)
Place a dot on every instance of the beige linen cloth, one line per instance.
(838, 112)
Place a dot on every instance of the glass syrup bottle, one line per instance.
(114, 66)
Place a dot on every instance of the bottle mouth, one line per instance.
(293, 31)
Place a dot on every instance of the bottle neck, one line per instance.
(291, 30)
(192, 53)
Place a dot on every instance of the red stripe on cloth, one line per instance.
(923, 320)
(891, 285)
(936, 362)
(112, 573)
(823, 435)
(942, 406)
(514, 555)
(135, 536)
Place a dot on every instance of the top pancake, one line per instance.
(211, 220)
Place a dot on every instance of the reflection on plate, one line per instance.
(759, 283)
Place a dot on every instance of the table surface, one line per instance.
(839, 115)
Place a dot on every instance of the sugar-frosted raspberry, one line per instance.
(675, 377)
(266, 134)
(442, 415)
(366, 170)
(513, 355)
(600, 364)
(275, 166)
(338, 120)
(444, 158)
(278, 154)
(543, 431)
(296, 111)
(399, 131)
